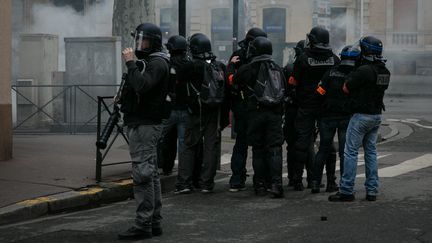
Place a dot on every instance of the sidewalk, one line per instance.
(55, 173)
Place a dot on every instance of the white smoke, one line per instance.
(65, 21)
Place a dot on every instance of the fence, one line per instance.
(59, 108)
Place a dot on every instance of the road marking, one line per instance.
(225, 159)
(405, 167)
(415, 122)
(411, 121)
(360, 162)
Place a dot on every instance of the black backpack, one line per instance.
(212, 90)
(269, 88)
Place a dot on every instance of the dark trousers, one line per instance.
(304, 145)
(328, 126)
(200, 128)
(290, 138)
(167, 151)
(265, 135)
(240, 149)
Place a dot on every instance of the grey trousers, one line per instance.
(143, 140)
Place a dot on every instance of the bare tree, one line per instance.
(128, 14)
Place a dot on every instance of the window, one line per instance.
(405, 15)
(274, 23)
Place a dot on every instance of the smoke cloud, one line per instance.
(65, 21)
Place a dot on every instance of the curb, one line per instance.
(91, 196)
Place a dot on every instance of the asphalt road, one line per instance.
(402, 213)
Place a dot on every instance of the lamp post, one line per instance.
(361, 17)
(182, 18)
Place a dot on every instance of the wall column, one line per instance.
(5, 80)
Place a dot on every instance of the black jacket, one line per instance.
(366, 86)
(144, 99)
(309, 68)
(334, 100)
(180, 93)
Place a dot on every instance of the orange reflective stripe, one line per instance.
(292, 81)
(320, 90)
(231, 79)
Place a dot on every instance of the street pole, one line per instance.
(182, 18)
(361, 17)
(235, 24)
(5, 80)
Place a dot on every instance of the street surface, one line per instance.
(402, 212)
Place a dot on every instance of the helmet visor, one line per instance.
(141, 42)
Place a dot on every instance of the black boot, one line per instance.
(315, 187)
(133, 233)
(298, 186)
(332, 186)
(277, 191)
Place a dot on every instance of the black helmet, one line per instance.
(200, 46)
(251, 35)
(371, 48)
(299, 48)
(176, 43)
(318, 37)
(151, 33)
(349, 55)
(260, 46)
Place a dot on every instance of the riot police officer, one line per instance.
(205, 80)
(263, 84)
(144, 104)
(309, 68)
(238, 107)
(366, 87)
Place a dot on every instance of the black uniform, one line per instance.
(366, 89)
(308, 71)
(264, 133)
(204, 121)
(238, 107)
(143, 100)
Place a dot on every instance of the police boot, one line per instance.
(315, 187)
(277, 191)
(332, 186)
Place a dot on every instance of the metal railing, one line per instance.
(405, 38)
(58, 108)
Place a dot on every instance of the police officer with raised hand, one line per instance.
(238, 107)
(144, 104)
(175, 125)
(308, 71)
(334, 117)
(366, 87)
(205, 80)
(264, 85)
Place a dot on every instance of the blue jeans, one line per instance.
(362, 130)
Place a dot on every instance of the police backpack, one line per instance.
(212, 90)
(269, 88)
